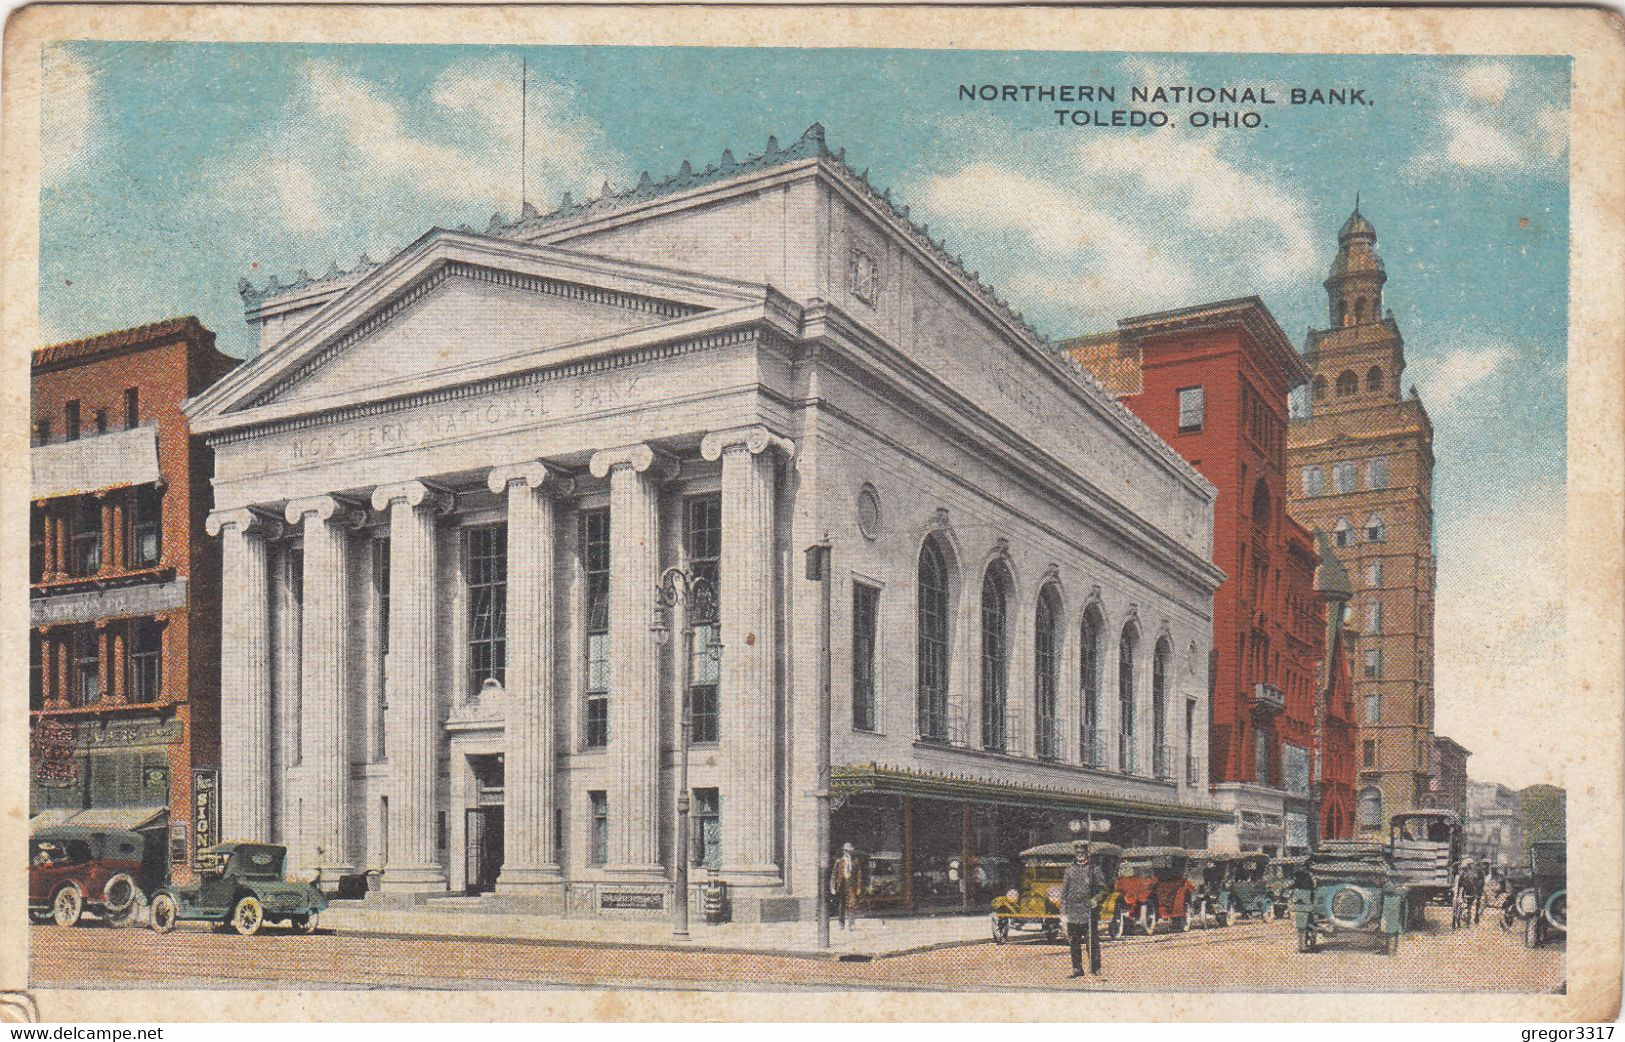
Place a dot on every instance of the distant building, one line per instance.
(1334, 710)
(1362, 467)
(1214, 380)
(1449, 787)
(124, 596)
(1494, 824)
(1545, 814)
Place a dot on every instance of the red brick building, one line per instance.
(125, 585)
(1213, 381)
(1334, 721)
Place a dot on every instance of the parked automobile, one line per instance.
(240, 885)
(1427, 848)
(78, 869)
(1517, 898)
(1208, 872)
(1280, 876)
(1152, 889)
(1249, 893)
(1352, 889)
(1548, 905)
(1034, 903)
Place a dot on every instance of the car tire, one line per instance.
(1390, 944)
(1119, 925)
(1308, 940)
(132, 914)
(1001, 930)
(302, 923)
(1182, 923)
(68, 905)
(163, 914)
(247, 916)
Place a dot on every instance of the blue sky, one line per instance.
(171, 170)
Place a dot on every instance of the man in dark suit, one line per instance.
(846, 885)
(1082, 888)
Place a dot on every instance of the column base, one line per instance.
(655, 873)
(522, 878)
(752, 875)
(405, 879)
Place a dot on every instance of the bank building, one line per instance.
(448, 485)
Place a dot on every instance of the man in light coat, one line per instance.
(845, 884)
(1082, 888)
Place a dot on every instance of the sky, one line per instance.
(172, 170)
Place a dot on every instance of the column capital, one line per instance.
(532, 474)
(754, 439)
(640, 457)
(245, 520)
(326, 508)
(414, 494)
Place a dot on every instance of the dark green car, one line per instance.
(1353, 890)
(241, 886)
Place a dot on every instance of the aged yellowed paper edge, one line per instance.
(1584, 750)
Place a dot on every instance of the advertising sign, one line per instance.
(205, 807)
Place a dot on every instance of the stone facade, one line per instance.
(1494, 825)
(1361, 460)
(484, 451)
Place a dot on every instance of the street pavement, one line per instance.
(1246, 957)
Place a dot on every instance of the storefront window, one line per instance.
(486, 576)
(703, 534)
(995, 655)
(1044, 679)
(932, 651)
(595, 570)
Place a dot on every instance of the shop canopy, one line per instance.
(131, 819)
(95, 463)
(852, 780)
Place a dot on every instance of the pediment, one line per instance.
(463, 317)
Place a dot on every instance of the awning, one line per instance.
(95, 462)
(131, 819)
(850, 780)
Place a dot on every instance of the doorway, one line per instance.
(482, 848)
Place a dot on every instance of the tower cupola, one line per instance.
(1354, 285)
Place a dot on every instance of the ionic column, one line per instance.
(750, 457)
(118, 641)
(245, 672)
(104, 661)
(634, 472)
(409, 683)
(106, 501)
(64, 681)
(529, 857)
(323, 680)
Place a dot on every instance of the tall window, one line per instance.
(36, 671)
(1373, 573)
(71, 413)
(1314, 481)
(87, 537)
(146, 661)
(36, 544)
(598, 841)
(1046, 657)
(1128, 758)
(1192, 410)
(707, 848)
(865, 620)
(486, 578)
(1190, 742)
(132, 407)
(380, 586)
(1261, 754)
(1373, 663)
(1373, 617)
(42, 431)
(87, 666)
(931, 653)
(595, 571)
(1347, 384)
(1345, 476)
(703, 533)
(1161, 754)
(1373, 708)
(1368, 753)
(995, 655)
(1373, 378)
(1376, 530)
(1343, 532)
(145, 516)
(1089, 638)
(1376, 473)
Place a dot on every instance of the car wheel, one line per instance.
(1222, 917)
(1532, 932)
(1119, 925)
(1182, 923)
(303, 923)
(1390, 944)
(247, 916)
(163, 914)
(1307, 939)
(68, 906)
(132, 913)
(1051, 934)
(1001, 930)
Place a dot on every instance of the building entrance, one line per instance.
(483, 849)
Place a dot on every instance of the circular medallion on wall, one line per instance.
(869, 511)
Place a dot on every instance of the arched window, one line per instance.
(1090, 633)
(1314, 481)
(1317, 388)
(1261, 504)
(1373, 379)
(1343, 532)
(1128, 759)
(1376, 530)
(1161, 753)
(1347, 383)
(931, 653)
(995, 654)
(1369, 808)
(1046, 659)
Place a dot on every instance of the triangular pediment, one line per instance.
(454, 308)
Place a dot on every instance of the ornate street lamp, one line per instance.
(699, 600)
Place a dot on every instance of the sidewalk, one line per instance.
(868, 938)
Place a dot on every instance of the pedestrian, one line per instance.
(1082, 889)
(846, 884)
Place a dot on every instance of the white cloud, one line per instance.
(1127, 224)
(67, 112)
(1486, 124)
(300, 195)
(1487, 82)
(1457, 376)
(1150, 70)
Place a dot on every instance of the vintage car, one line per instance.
(1426, 847)
(1280, 875)
(1545, 904)
(1353, 889)
(1035, 903)
(1249, 893)
(240, 886)
(75, 869)
(1207, 872)
(1152, 889)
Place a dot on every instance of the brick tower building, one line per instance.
(1362, 463)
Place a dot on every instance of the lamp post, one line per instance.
(695, 593)
(818, 570)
